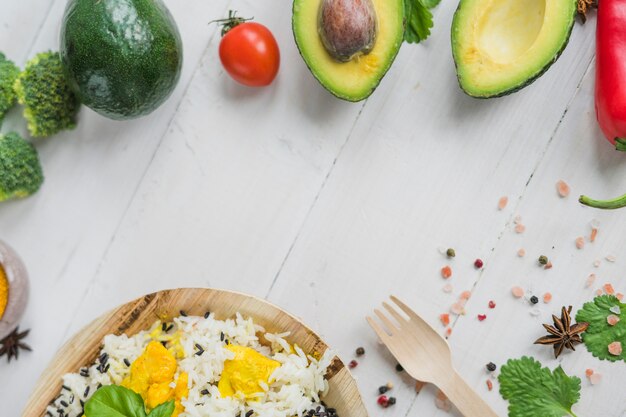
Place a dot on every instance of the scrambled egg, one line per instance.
(151, 376)
(244, 373)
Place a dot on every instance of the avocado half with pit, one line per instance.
(349, 45)
(501, 46)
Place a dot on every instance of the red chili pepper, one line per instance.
(611, 71)
(611, 83)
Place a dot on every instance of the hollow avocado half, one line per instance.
(356, 79)
(501, 46)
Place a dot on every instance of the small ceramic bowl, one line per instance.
(18, 289)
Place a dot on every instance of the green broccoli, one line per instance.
(20, 170)
(50, 105)
(8, 74)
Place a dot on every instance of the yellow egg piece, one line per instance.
(243, 374)
(151, 375)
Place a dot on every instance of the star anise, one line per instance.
(563, 334)
(12, 344)
(583, 6)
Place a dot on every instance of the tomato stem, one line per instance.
(231, 21)
(613, 204)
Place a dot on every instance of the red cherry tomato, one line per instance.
(250, 54)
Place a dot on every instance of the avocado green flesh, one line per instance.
(123, 58)
(501, 46)
(356, 79)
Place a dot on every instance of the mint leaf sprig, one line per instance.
(600, 333)
(116, 401)
(535, 391)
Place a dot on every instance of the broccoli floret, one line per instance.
(50, 105)
(20, 170)
(8, 74)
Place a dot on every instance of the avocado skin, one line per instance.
(516, 88)
(123, 58)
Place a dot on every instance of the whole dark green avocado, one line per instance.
(123, 58)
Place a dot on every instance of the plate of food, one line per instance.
(195, 352)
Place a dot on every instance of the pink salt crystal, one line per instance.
(619, 296)
(503, 202)
(518, 292)
(595, 378)
(521, 252)
(448, 331)
(520, 228)
(590, 280)
(447, 288)
(465, 295)
(596, 263)
(588, 372)
(612, 320)
(458, 308)
(608, 288)
(580, 242)
(547, 297)
(599, 292)
(562, 188)
(442, 402)
(615, 348)
(610, 258)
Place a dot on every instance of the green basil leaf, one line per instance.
(163, 410)
(114, 401)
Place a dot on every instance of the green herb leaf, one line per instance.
(600, 334)
(430, 3)
(114, 401)
(164, 410)
(535, 391)
(419, 20)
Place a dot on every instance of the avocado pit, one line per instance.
(347, 28)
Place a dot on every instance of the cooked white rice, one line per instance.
(296, 388)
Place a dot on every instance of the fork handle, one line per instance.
(465, 398)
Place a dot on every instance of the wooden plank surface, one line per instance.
(324, 207)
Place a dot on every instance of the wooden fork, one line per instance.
(425, 355)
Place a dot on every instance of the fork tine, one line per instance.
(388, 323)
(412, 314)
(384, 337)
(401, 320)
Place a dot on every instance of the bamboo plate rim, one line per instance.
(142, 312)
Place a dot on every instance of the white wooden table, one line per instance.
(325, 207)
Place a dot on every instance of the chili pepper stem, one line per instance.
(613, 204)
(620, 144)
